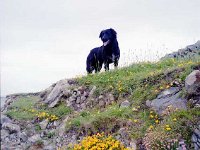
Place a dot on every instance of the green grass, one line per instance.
(17, 110)
(25, 102)
(186, 121)
(21, 109)
(99, 120)
(139, 80)
(137, 83)
(60, 111)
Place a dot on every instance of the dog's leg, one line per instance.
(116, 63)
(106, 66)
(99, 67)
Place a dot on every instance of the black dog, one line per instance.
(108, 53)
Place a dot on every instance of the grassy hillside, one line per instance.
(137, 84)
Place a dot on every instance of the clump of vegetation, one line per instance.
(174, 127)
(99, 141)
(27, 108)
(99, 121)
(138, 83)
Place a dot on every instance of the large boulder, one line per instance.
(54, 96)
(192, 83)
(11, 127)
(169, 97)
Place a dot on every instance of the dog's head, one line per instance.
(107, 36)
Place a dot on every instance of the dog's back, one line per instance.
(94, 60)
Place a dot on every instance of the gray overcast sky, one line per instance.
(43, 41)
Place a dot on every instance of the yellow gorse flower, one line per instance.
(99, 142)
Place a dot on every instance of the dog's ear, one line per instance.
(114, 33)
(101, 34)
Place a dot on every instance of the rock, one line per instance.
(133, 145)
(44, 124)
(169, 92)
(72, 98)
(83, 106)
(69, 103)
(50, 147)
(4, 134)
(34, 138)
(46, 92)
(123, 133)
(148, 103)
(12, 128)
(196, 138)
(83, 98)
(125, 103)
(101, 97)
(67, 93)
(92, 91)
(102, 103)
(23, 137)
(81, 89)
(187, 52)
(78, 100)
(61, 128)
(56, 93)
(160, 104)
(111, 97)
(5, 119)
(192, 83)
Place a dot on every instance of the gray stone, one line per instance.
(101, 97)
(61, 128)
(23, 137)
(50, 147)
(54, 96)
(92, 91)
(133, 145)
(169, 92)
(194, 138)
(197, 132)
(148, 103)
(14, 138)
(111, 97)
(56, 123)
(159, 105)
(83, 98)
(44, 124)
(67, 93)
(5, 119)
(78, 100)
(70, 104)
(83, 106)
(72, 98)
(12, 128)
(192, 83)
(34, 138)
(4, 134)
(102, 103)
(125, 103)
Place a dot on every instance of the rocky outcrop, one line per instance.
(187, 52)
(75, 96)
(167, 98)
(196, 137)
(192, 86)
(192, 83)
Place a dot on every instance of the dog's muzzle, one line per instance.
(106, 43)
